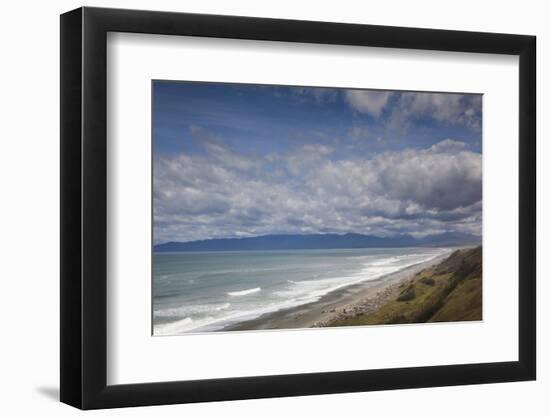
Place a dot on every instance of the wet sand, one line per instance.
(362, 298)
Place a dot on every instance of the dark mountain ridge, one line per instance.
(318, 241)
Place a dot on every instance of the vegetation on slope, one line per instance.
(450, 291)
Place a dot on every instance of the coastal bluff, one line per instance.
(446, 292)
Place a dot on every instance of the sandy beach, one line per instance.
(357, 299)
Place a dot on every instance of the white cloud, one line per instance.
(305, 191)
(402, 184)
(367, 101)
(444, 107)
(300, 159)
(448, 145)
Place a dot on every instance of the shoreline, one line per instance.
(361, 298)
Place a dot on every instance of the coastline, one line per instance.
(362, 298)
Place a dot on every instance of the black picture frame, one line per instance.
(84, 207)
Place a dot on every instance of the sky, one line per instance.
(238, 160)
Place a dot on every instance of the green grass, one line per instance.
(463, 304)
(427, 281)
(407, 294)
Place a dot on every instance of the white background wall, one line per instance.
(29, 177)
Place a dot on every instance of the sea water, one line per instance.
(206, 291)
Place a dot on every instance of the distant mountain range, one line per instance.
(318, 241)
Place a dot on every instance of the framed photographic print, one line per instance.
(258, 208)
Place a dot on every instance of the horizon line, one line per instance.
(314, 234)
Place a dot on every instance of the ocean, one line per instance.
(206, 291)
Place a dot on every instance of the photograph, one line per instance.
(290, 207)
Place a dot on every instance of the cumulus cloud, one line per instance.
(444, 107)
(400, 109)
(368, 101)
(448, 145)
(302, 158)
(223, 193)
(402, 184)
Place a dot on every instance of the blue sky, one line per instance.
(236, 160)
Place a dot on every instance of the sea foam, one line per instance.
(244, 292)
(282, 291)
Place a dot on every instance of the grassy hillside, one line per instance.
(450, 291)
